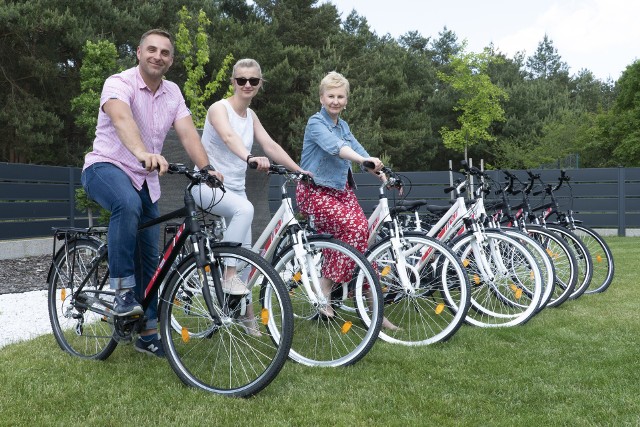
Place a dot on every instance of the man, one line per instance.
(137, 109)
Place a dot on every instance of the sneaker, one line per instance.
(153, 347)
(125, 304)
(234, 286)
(250, 326)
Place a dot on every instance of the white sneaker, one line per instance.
(234, 286)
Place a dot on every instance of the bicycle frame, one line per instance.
(284, 223)
(189, 229)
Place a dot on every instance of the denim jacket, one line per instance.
(321, 147)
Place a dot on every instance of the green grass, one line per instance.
(576, 365)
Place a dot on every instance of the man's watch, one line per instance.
(207, 168)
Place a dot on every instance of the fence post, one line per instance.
(72, 199)
(622, 226)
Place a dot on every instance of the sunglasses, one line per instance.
(253, 81)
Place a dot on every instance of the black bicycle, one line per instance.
(209, 340)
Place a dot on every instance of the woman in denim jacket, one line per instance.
(328, 150)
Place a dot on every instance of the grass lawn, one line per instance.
(576, 365)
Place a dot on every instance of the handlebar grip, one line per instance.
(368, 164)
(253, 165)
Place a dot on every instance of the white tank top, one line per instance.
(233, 168)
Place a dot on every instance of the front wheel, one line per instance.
(602, 257)
(433, 304)
(239, 351)
(357, 304)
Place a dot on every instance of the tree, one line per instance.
(195, 55)
(99, 62)
(479, 101)
(546, 63)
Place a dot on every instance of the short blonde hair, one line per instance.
(333, 80)
(247, 63)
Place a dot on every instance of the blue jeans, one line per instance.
(133, 254)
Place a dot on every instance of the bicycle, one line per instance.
(601, 256)
(200, 325)
(563, 257)
(505, 279)
(297, 253)
(580, 250)
(425, 287)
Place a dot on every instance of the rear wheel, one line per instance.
(77, 325)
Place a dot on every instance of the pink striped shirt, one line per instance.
(154, 113)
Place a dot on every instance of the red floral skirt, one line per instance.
(338, 213)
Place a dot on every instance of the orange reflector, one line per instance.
(516, 290)
(599, 258)
(531, 274)
(207, 268)
(264, 316)
(63, 294)
(385, 271)
(346, 326)
(185, 335)
(476, 279)
(465, 262)
(177, 302)
(439, 308)
(297, 276)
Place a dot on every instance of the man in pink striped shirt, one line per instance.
(137, 109)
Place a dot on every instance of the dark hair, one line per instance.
(158, 32)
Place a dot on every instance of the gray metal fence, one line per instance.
(33, 199)
(602, 198)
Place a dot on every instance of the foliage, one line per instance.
(479, 101)
(398, 106)
(195, 55)
(99, 62)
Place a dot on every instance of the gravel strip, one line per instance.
(24, 274)
(23, 299)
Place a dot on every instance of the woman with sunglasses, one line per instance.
(328, 150)
(229, 133)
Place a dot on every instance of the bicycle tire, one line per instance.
(602, 257)
(78, 330)
(564, 262)
(508, 294)
(544, 262)
(583, 257)
(437, 303)
(350, 335)
(225, 359)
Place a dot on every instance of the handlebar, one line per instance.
(392, 178)
(196, 177)
(281, 170)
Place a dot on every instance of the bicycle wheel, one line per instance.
(77, 325)
(506, 284)
(544, 262)
(580, 250)
(564, 263)
(434, 303)
(241, 355)
(350, 334)
(601, 256)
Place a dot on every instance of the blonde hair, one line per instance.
(246, 63)
(333, 80)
